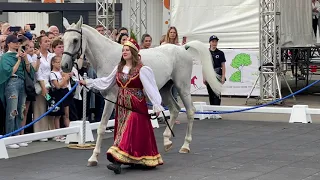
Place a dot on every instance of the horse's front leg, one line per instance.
(108, 108)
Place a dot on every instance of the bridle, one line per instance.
(78, 53)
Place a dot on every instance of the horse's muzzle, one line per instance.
(66, 68)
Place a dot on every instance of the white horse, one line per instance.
(171, 64)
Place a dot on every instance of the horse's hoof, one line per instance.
(168, 147)
(184, 151)
(92, 163)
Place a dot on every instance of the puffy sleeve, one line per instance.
(104, 82)
(150, 86)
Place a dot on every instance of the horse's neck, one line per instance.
(103, 53)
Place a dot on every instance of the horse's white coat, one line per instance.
(167, 62)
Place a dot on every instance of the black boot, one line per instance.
(115, 167)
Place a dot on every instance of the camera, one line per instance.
(32, 26)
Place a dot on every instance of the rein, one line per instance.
(119, 105)
(77, 55)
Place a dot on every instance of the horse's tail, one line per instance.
(201, 52)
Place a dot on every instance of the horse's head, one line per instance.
(73, 44)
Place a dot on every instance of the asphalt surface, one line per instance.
(220, 150)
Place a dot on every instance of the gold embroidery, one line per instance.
(136, 92)
(124, 83)
(125, 79)
(124, 157)
(125, 96)
(123, 115)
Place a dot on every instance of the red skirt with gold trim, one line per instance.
(134, 140)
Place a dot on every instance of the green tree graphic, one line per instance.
(238, 62)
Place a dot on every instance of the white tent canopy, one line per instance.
(236, 22)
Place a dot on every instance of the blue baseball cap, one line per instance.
(213, 37)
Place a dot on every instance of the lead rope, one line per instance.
(153, 114)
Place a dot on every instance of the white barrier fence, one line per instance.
(299, 114)
(74, 134)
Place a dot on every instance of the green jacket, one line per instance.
(7, 61)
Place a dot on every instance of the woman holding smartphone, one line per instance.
(32, 55)
(12, 85)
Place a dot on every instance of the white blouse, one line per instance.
(43, 74)
(146, 77)
(58, 76)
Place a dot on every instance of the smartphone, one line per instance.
(14, 28)
(184, 39)
(32, 26)
(23, 48)
(48, 97)
(36, 45)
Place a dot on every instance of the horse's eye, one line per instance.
(75, 40)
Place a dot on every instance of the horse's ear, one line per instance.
(66, 23)
(80, 22)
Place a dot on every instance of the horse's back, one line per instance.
(162, 60)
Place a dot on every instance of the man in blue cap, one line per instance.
(219, 67)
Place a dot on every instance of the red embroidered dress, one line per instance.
(134, 140)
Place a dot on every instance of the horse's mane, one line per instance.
(95, 32)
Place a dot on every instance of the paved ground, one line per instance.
(239, 147)
(221, 150)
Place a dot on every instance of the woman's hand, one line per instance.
(27, 28)
(157, 114)
(22, 55)
(71, 74)
(44, 92)
(36, 51)
(82, 82)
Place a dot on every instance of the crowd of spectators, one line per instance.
(25, 55)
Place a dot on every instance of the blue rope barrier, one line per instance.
(43, 115)
(254, 107)
(213, 112)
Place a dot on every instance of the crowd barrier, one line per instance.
(78, 132)
(81, 131)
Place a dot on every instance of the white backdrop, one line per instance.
(296, 23)
(236, 22)
(241, 73)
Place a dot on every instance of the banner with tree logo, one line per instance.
(241, 73)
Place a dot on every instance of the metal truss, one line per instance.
(105, 14)
(138, 17)
(270, 84)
